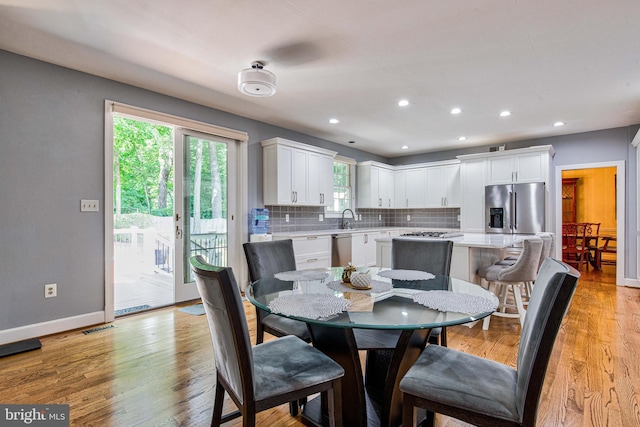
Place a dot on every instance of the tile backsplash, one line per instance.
(306, 218)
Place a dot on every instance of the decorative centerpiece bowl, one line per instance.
(361, 281)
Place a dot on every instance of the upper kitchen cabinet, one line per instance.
(296, 173)
(518, 166)
(375, 185)
(410, 188)
(443, 186)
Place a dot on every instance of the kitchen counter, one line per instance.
(470, 252)
(476, 240)
(293, 234)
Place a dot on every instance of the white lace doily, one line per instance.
(459, 303)
(311, 306)
(376, 287)
(301, 275)
(406, 274)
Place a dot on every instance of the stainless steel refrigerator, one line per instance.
(514, 208)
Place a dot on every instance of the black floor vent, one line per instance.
(101, 328)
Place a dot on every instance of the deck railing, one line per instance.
(136, 242)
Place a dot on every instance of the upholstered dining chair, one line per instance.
(432, 256)
(504, 279)
(264, 376)
(484, 392)
(265, 259)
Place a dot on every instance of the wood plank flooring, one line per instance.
(156, 368)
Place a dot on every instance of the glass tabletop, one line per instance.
(392, 307)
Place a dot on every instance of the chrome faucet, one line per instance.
(347, 225)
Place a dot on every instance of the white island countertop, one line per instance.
(477, 240)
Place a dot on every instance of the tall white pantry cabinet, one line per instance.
(296, 173)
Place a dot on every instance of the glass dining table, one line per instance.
(391, 321)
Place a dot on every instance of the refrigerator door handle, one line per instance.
(515, 210)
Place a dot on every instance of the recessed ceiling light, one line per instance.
(462, 138)
(403, 103)
(558, 124)
(456, 111)
(334, 121)
(404, 147)
(505, 113)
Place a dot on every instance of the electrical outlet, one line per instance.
(286, 217)
(89, 205)
(379, 217)
(359, 217)
(458, 217)
(320, 218)
(408, 217)
(50, 290)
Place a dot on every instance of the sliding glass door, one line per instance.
(202, 221)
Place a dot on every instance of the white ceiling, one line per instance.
(576, 61)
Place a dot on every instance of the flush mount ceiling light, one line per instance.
(403, 102)
(505, 113)
(556, 124)
(456, 111)
(256, 81)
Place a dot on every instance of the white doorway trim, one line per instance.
(620, 214)
(239, 212)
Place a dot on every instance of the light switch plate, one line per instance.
(286, 217)
(320, 217)
(87, 205)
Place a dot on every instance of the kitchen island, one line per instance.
(470, 251)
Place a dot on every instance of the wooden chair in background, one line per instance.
(573, 248)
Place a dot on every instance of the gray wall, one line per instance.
(52, 155)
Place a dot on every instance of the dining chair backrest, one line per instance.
(525, 269)
(228, 326)
(548, 304)
(432, 256)
(547, 241)
(265, 259)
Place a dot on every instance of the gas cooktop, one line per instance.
(436, 234)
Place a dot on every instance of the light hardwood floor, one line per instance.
(156, 368)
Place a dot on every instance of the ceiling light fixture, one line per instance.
(403, 103)
(256, 81)
(456, 111)
(405, 147)
(334, 121)
(462, 138)
(505, 113)
(556, 124)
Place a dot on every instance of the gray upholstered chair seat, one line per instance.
(286, 326)
(466, 381)
(287, 364)
(486, 393)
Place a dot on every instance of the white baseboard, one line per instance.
(633, 283)
(51, 327)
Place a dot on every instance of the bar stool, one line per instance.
(505, 279)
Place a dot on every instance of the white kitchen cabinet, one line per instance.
(410, 188)
(312, 251)
(443, 186)
(375, 185)
(320, 189)
(400, 189)
(472, 176)
(363, 248)
(296, 174)
(524, 166)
